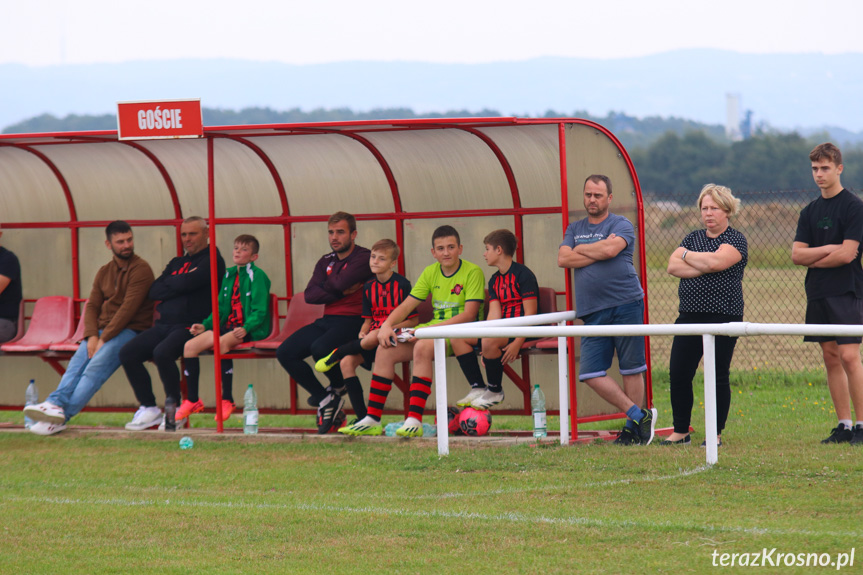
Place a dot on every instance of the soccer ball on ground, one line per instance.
(474, 421)
(452, 413)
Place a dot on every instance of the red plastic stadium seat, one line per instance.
(274, 324)
(299, 314)
(425, 312)
(546, 303)
(52, 322)
(72, 343)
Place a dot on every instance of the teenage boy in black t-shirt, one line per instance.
(827, 242)
(512, 292)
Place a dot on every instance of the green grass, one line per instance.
(89, 503)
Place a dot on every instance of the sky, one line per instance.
(53, 32)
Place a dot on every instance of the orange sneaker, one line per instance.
(228, 408)
(187, 408)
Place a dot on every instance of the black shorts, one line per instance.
(368, 358)
(846, 309)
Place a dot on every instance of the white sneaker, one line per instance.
(181, 423)
(45, 412)
(145, 418)
(45, 428)
(405, 334)
(487, 399)
(475, 393)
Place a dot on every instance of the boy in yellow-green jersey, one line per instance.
(457, 289)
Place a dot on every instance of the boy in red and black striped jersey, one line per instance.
(381, 295)
(512, 292)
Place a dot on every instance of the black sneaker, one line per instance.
(858, 435)
(339, 420)
(647, 425)
(839, 434)
(627, 437)
(330, 406)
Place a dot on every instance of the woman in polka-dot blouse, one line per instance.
(710, 264)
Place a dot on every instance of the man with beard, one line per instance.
(118, 309)
(336, 283)
(599, 250)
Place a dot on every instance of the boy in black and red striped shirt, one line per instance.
(381, 296)
(512, 292)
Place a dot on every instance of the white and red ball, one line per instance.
(474, 421)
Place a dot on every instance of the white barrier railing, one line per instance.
(527, 327)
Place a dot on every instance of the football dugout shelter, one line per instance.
(400, 178)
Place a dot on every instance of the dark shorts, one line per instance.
(368, 358)
(846, 309)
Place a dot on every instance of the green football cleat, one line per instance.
(411, 430)
(327, 363)
(362, 429)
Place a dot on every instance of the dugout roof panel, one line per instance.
(525, 174)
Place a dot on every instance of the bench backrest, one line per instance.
(300, 314)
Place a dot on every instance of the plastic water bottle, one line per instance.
(186, 442)
(31, 397)
(390, 429)
(537, 404)
(250, 411)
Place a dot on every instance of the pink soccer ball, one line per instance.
(474, 421)
(452, 413)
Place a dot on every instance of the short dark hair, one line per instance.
(596, 178)
(826, 151)
(504, 239)
(445, 232)
(116, 227)
(248, 240)
(197, 220)
(344, 217)
(387, 244)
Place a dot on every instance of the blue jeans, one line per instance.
(85, 376)
(598, 352)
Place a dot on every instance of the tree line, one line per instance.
(676, 167)
(633, 132)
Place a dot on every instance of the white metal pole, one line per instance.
(563, 382)
(709, 342)
(440, 396)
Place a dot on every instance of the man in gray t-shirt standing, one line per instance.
(607, 292)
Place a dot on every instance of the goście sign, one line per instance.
(159, 119)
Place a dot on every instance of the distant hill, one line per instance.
(793, 91)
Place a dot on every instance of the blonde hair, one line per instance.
(722, 196)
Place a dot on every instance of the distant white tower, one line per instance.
(732, 117)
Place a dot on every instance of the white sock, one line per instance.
(412, 422)
(368, 420)
(847, 423)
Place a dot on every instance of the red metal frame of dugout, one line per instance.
(354, 130)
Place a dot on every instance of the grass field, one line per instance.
(89, 503)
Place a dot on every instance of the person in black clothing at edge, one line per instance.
(183, 293)
(10, 293)
(337, 283)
